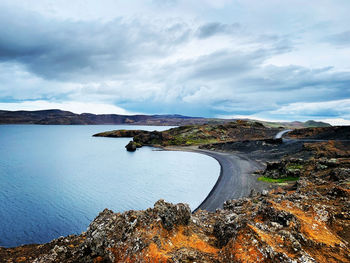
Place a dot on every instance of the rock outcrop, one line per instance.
(322, 133)
(199, 134)
(131, 146)
(284, 169)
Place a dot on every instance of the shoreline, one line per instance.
(235, 178)
(209, 195)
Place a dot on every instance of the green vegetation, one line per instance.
(200, 141)
(294, 166)
(197, 134)
(275, 125)
(295, 124)
(190, 140)
(279, 180)
(138, 145)
(312, 123)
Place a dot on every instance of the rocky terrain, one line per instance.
(322, 133)
(196, 134)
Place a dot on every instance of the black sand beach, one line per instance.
(235, 179)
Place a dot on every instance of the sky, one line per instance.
(279, 60)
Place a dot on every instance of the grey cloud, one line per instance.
(341, 39)
(226, 65)
(240, 83)
(230, 82)
(211, 29)
(67, 50)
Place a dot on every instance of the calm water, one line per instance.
(55, 179)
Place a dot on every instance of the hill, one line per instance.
(197, 134)
(322, 133)
(297, 124)
(59, 117)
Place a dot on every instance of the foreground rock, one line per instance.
(308, 221)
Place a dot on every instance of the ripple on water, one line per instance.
(55, 179)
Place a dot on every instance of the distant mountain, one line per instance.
(59, 117)
(68, 118)
(315, 124)
(297, 124)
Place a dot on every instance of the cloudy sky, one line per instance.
(271, 59)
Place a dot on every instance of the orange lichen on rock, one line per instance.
(176, 239)
(242, 249)
(328, 149)
(192, 240)
(273, 241)
(314, 229)
(155, 254)
(98, 260)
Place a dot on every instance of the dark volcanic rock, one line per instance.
(171, 215)
(322, 133)
(131, 146)
(284, 168)
(110, 230)
(200, 134)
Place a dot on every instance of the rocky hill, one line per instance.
(322, 133)
(196, 134)
(296, 124)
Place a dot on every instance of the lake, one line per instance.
(54, 180)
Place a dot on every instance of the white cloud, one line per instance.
(250, 117)
(336, 121)
(332, 121)
(73, 106)
(323, 108)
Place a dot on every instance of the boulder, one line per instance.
(131, 146)
(179, 214)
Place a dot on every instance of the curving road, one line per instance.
(235, 180)
(281, 133)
